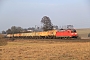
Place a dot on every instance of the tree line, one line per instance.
(15, 29)
(47, 25)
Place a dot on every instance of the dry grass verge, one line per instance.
(3, 41)
(41, 50)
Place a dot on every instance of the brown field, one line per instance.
(83, 33)
(46, 50)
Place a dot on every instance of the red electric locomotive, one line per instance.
(69, 33)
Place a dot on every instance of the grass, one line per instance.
(45, 50)
(2, 40)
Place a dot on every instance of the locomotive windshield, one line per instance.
(73, 31)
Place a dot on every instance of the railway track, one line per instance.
(56, 40)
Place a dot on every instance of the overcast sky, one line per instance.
(28, 13)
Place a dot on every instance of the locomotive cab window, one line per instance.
(73, 31)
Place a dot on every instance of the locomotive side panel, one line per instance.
(66, 33)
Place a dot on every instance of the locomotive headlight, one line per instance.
(76, 33)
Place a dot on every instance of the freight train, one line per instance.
(51, 34)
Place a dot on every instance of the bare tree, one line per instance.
(47, 25)
(8, 31)
(13, 29)
(3, 32)
(19, 29)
